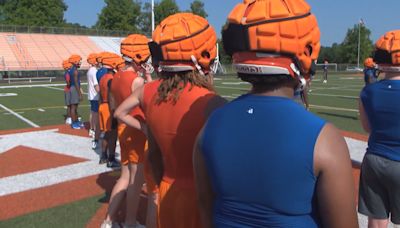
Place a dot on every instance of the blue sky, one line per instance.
(334, 17)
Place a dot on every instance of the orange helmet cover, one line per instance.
(112, 61)
(66, 64)
(136, 47)
(282, 27)
(388, 49)
(92, 59)
(183, 35)
(369, 62)
(75, 59)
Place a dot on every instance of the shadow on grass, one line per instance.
(338, 115)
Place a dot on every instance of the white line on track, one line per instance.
(19, 116)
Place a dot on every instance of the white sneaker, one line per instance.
(91, 133)
(325, 81)
(68, 121)
(94, 144)
(106, 224)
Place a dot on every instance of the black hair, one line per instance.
(267, 83)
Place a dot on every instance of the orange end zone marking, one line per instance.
(22, 159)
(39, 199)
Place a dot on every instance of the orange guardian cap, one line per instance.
(387, 52)
(92, 59)
(184, 42)
(273, 37)
(75, 59)
(369, 63)
(112, 61)
(66, 65)
(135, 48)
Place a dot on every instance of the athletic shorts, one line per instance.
(107, 122)
(177, 206)
(132, 143)
(67, 98)
(74, 99)
(379, 194)
(94, 105)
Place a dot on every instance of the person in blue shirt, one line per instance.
(370, 71)
(75, 90)
(262, 160)
(379, 192)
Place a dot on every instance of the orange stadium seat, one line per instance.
(22, 51)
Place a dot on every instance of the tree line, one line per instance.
(133, 16)
(119, 15)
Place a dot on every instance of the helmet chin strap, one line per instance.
(302, 80)
(197, 65)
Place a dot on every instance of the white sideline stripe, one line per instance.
(7, 113)
(332, 95)
(43, 178)
(34, 86)
(19, 116)
(226, 87)
(333, 108)
(50, 87)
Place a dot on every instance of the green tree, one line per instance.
(33, 12)
(223, 57)
(333, 54)
(119, 15)
(144, 19)
(349, 47)
(164, 9)
(197, 7)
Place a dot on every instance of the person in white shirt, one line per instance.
(93, 96)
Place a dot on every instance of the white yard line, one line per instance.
(332, 95)
(19, 116)
(59, 89)
(34, 86)
(333, 108)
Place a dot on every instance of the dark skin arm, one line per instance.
(205, 194)
(111, 100)
(363, 117)
(77, 86)
(335, 184)
(155, 158)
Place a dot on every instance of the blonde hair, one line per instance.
(172, 84)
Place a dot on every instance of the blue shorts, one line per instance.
(94, 105)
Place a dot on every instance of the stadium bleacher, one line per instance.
(24, 51)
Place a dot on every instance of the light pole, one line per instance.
(360, 23)
(152, 16)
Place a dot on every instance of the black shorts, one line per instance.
(379, 194)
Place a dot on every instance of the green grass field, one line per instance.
(336, 101)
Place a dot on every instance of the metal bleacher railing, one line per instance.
(62, 30)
